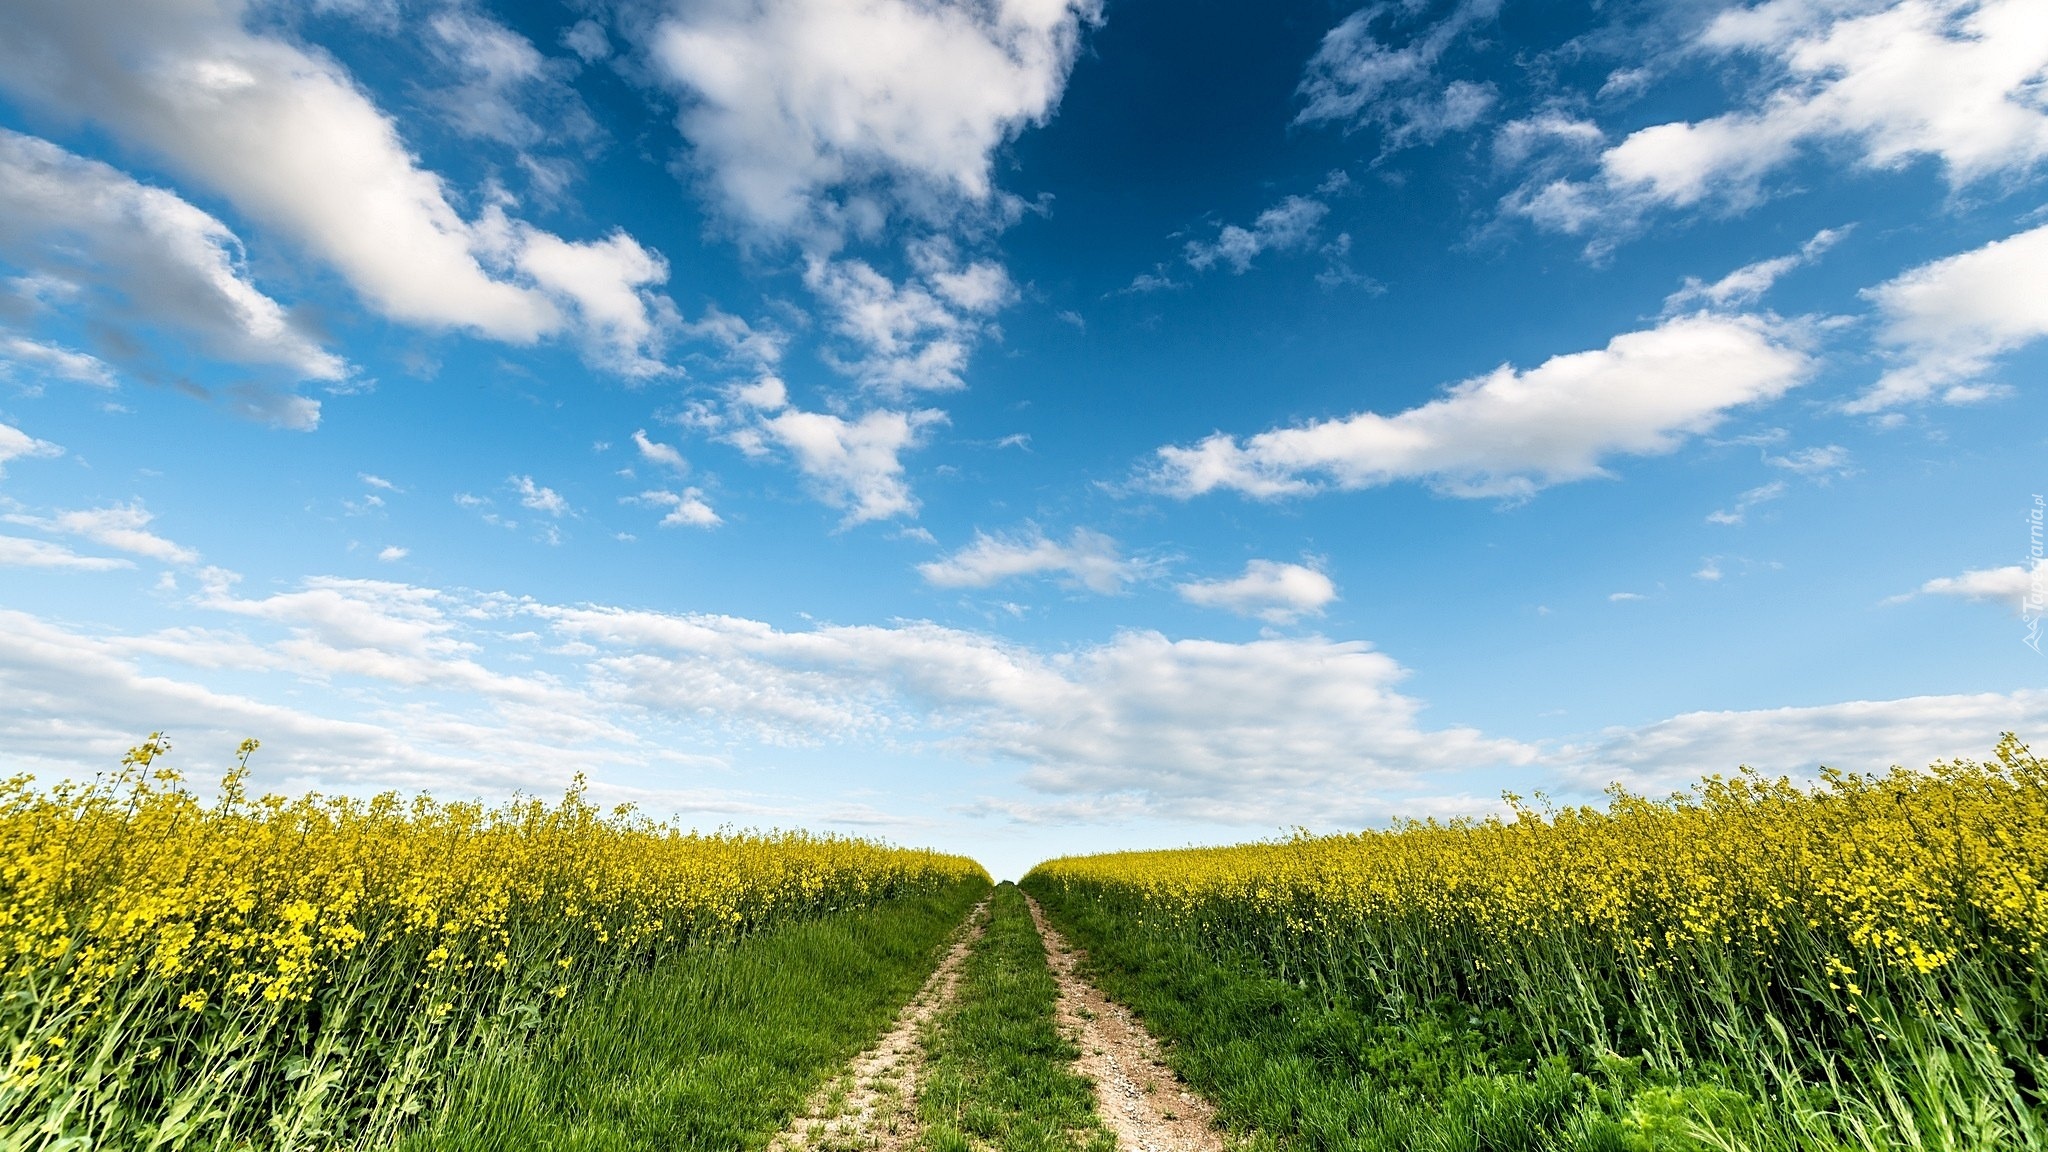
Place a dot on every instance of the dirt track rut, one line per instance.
(1136, 1094)
(873, 1104)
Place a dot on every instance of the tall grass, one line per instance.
(709, 1050)
(1861, 963)
(283, 973)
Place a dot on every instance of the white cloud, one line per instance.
(18, 445)
(140, 255)
(1624, 597)
(1763, 493)
(1270, 732)
(1857, 736)
(1512, 432)
(54, 360)
(686, 509)
(1287, 226)
(1275, 592)
(120, 526)
(1949, 320)
(801, 113)
(1088, 559)
(587, 39)
(1817, 461)
(910, 337)
(16, 552)
(2019, 587)
(375, 481)
(855, 464)
(538, 498)
(503, 74)
(1357, 79)
(286, 134)
(851, 463)
(1888, 82)
(392, 553)
(1747, 284)
(655, 452)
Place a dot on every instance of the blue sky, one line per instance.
(1022, 426)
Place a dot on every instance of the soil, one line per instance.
(1138, 1097)
(873, 1103)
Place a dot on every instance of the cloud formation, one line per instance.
(18, 445)
(1287, 226)
(1358, 79)
(287, 136)
(1088, 559)
(1948, 321)
(855, 464)
(1885, 82)
(2018, 587)
(1513, 432)
(123, 527)
(820, 119)
(132, 256)
(1276, 592)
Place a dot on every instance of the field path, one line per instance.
(1136, 1094)
(873, 1103)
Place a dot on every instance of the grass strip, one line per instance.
(999, 1074)
(1297, 1068)
(706, 1050)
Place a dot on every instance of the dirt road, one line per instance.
(873, 1104)
(1136, 1094)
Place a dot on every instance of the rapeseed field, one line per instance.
(273, 972)
(1751, 964)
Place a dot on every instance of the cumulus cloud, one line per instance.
(1886, 83)
(1287, 226)
(18, 445)
(2023, 588)
(1088, 559)
(1276, 592)
(124, 527)
(1948, 321)
(539, 498)
(908, 337)
(1512, 432)
(17, 552)
(1358, 79)
(392, 553)
(130, 255)
(286, 135)
(686, 509)
(855, 464)
(817, 118)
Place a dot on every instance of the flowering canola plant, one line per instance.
(1881, 930)
(146, 935)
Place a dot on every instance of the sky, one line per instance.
(1022, 427)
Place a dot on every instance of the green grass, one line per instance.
(710, 1050)
(999, 1074)
(1299, 1068)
